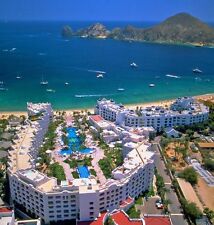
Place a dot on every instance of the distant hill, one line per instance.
(181, 28)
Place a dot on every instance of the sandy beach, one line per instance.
(205, 97)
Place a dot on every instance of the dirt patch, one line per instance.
(175, 156)
(206, 193)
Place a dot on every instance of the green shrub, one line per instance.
(191, 210)
(75, 175)
(209, 164)
(190, 175)
(93, 172)
(133, 213)
(57, 171)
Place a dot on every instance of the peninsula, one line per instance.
(181, 28)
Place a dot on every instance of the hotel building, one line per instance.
(184, 111)
(81, 199)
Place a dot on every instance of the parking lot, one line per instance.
(149, 206)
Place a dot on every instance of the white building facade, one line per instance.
(81, 199)
(184, 111)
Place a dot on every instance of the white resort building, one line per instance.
(80, 199)
(184, 111)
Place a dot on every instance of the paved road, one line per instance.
(175, 206)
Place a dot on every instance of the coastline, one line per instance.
(204, 97)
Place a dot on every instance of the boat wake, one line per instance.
(91, 96)
(42, 53)
(96, 71)
(88, 70)
(173, 76)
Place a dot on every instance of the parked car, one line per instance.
(159, 204)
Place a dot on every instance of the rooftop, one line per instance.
(120, 218)
(157, 220)
(96, 118)
(189, 107)
(206, 144)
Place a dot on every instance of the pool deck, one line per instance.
(96, 156)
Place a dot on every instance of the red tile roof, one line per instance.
(96, 118)
(99, 221)
(120, 218)
(157, 220)
(4, 210)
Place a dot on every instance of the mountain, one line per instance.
(97, 30)
(180, 28)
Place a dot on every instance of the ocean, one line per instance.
(35, 51)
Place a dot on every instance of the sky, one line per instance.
(103, 10)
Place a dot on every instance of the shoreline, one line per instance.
(204, 97)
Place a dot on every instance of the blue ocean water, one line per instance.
(36, 51)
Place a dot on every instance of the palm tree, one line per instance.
(176, 150)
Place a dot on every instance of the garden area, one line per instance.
(49, 144)
(113, 158)
(57, 171)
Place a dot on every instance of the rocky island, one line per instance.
(179, 29)
(97, 30)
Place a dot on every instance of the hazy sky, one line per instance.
(103, 10)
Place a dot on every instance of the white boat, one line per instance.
(196, 70)
(99, 75)
(121, 89)
(50, 90)
(151, 85)
(18, 77)
(3, 89)
(172, 76)
(66, 83)
(133, 65)
(44, 82)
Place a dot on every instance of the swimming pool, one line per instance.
(83, 171)
(74, 143)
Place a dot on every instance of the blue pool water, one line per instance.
(74, 143)
(83, 171)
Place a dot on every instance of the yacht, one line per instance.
(18, 77)
(196, 70)
(44, 82)
(66, 83)
(50, 90)
(121, 89)
(151, 85)
(99, 75)
(133, 65)
(3, 89)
